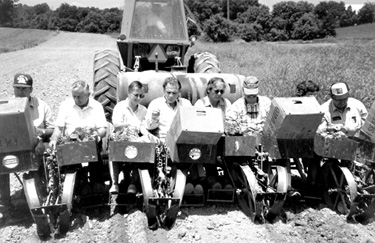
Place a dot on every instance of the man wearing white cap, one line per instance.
(251, 109)
(342, 113)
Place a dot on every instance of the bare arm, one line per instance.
(56, 134)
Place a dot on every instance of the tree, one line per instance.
(204, 10)
(247, 32)
(329, 14)
(306, 28)
(237, 7)
(219, 29)
(252, 13)
(349, 18)
(41, 8)
(23, 16)
(291, 12)
(6, 12)
(366, 14)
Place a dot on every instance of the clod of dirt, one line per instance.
(182, 233)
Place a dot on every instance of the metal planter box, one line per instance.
(238, 146)
(288, 148)
(77, 152)
(366, 149)
(338, 148)
(294, 118)
(125, 151)
(195, 125)
(193, 153)
(17, 131)
(19, 162)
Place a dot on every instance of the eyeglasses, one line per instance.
(141, 96)
(171, 93)
(217, 91)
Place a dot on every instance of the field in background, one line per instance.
(17, 39)
(364, 32)
(281, 67)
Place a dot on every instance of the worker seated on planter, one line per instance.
(128, 116)
(81, 111)
(343, 115)
(162, 110)
(42, 118)
(214, 96)
(248, 114)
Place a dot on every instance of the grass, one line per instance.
(363, 32)
(280, 67)
(17, 39)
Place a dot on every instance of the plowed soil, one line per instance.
(67, 57)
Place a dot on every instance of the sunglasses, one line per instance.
(217, 91)
(171, 93)
(141, 96)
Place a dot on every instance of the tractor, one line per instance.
(151, 47)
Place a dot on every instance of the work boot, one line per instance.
(114, 189)
(132, 189)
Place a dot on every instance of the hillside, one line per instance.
(12, 39)
(365, 31)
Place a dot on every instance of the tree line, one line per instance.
(288, 20)
(246, 19)
(66, 17)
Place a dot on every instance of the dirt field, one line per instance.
(68, 57)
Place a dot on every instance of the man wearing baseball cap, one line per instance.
(42, 118)
(342, 113)
(251, 109)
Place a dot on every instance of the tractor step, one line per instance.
(51, 209)
(91, 201)
(193, 200)
(123, 199)
(221, 195)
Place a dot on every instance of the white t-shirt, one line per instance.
(71, 116)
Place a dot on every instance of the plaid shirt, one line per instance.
(249, 115)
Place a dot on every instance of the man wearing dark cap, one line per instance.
(42, 118)
(251, 109)
(342, 114)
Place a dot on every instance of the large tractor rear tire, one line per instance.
(203, 62)
(106, 68)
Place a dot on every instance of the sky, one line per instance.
(119, 3)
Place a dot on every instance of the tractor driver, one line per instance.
(81, 111)
(342, 114)
(155, 27)
(251, 110)
(162, 110)
(42, 118)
